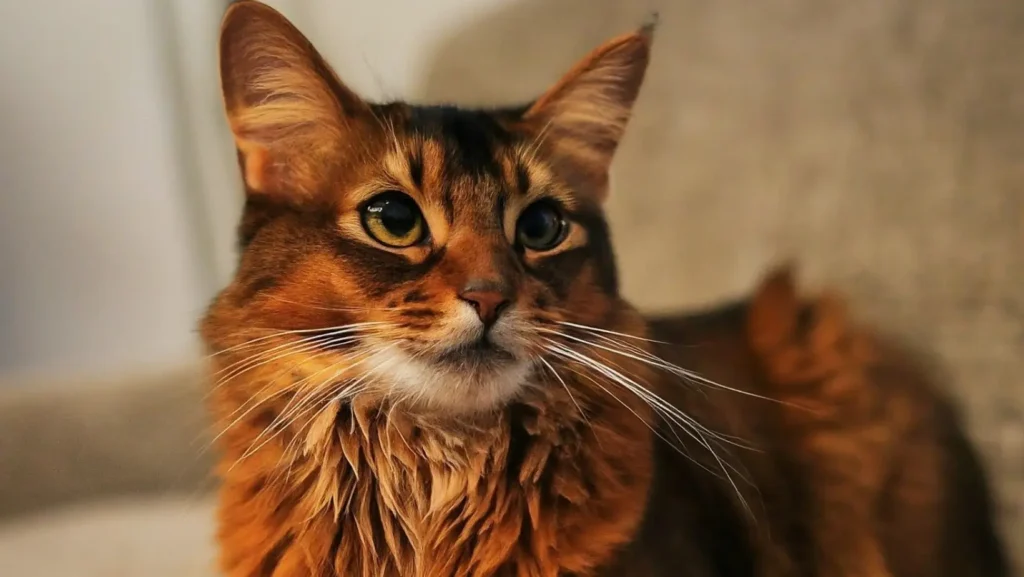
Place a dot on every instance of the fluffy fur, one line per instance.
(372, 423)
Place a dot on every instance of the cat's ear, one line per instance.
(290, 115)
(584, 115)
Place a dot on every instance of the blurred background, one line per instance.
(878, 144)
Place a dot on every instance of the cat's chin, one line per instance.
(472, 379)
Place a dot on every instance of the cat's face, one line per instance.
(419, 253)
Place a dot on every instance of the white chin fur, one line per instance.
(410, 379)
(416, 379)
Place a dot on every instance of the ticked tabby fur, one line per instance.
(423, 367)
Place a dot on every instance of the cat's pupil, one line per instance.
(397, 214)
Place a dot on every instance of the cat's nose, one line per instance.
(488, 298)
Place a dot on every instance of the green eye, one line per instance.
(393, 219)
(541, 227)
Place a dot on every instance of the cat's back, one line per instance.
(804, 410)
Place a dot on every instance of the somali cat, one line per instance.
(424, 367)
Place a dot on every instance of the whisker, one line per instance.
(671, 410)
(263, 360)
(331, 337)
(663, 364)
(681, 448)
(321, 307)
(730, 439)
(291, 387)
(655, 402)
(268, 356)
(567, 390)
(275, 333)
(289, 417)
(256, 400)
(610, 332)
(321, 334)
(295, 403)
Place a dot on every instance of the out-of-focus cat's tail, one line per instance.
(810, 352)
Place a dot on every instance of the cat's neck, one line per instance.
(374, 490)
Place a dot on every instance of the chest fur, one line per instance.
(539, 491)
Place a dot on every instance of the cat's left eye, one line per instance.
(541, 227)
(393, 219)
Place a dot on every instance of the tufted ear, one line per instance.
(290, 115)
(584, 115)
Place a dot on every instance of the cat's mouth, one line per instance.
(480, 353)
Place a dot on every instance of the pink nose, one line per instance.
(489, 299)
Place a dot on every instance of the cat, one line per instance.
(423, 366)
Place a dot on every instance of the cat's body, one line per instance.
(424, 367)
(904, 476)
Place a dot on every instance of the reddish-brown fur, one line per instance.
(334, 466)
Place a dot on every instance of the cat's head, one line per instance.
(428, 254)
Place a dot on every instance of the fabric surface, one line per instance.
(124, 538)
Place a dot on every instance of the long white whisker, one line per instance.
(567, 390)
(680, 448)
(610, 332)
(288, 417)
(256, 402)
(323, 334)
(308, 348)
(662, 364)
(332, 309)
(654, 401)
(295, 403)
(283, 333)
(341, 336)
(323, 348)
(670, 410)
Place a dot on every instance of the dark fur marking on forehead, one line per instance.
(416, 168)
(499, 207)
(522, 179)
(471, 138)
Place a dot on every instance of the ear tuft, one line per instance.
(287, 110)
(584, 115)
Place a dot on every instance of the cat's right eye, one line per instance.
(393, 219)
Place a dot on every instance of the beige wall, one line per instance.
(96, 268)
